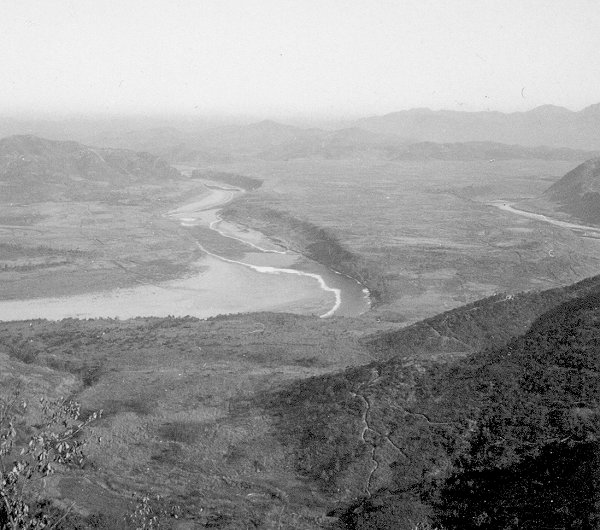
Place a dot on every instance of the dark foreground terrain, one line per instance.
(483, 417)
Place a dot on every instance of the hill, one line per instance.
(492, 321)
(545, 125)
(76, 218)
(506, 435)
(290, 421)
(578, 192)
(33, 168)
(250, 140)
(179, 414)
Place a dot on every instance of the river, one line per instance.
(266, 278)
(589, 231)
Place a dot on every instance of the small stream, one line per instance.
(585, 230)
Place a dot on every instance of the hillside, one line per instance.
(179, 414)
(578, 192)
(412, 440)
(77, 218)
(255, 413)
(546, 125)
(297, 422)
(33, 168)
(249, 140)
(492, 321)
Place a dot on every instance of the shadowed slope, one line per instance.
(578, 192)
(397, 442)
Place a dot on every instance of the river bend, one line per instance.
(266, 277)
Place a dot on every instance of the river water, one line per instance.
(590, 231)
(266, 277)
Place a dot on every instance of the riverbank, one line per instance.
(313, 242)
(589, 231)
(207, 213)
(218, 284)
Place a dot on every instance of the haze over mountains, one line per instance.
(547, 132)
(546, 125)
(406, 135)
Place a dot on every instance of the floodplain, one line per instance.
(424, 229)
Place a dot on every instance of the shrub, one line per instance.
(24, 460)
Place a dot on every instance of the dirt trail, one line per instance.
(366, 427)
(376, 435)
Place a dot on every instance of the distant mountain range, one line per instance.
(270, 140)
(546, 125)
(546, 132)
(33, 167)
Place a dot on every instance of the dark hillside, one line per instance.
(492, 321)
(256, 413)
(504, 438)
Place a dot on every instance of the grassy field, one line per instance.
(425, 227)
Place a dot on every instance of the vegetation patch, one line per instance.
(501, 438)
(182, 431)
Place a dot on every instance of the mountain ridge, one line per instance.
(544, 125)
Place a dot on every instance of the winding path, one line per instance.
(366, 427)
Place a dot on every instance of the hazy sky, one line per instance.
(284, 57)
